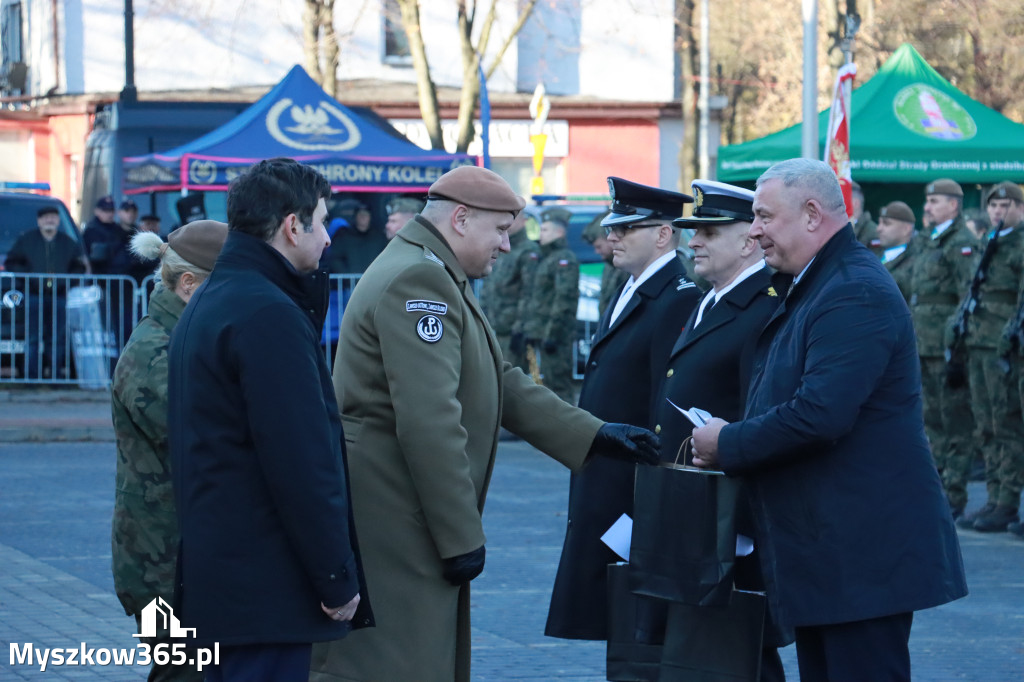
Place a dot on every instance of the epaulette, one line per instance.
(430, 255)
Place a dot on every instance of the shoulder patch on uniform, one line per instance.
(430, 255)
(534, 255)
(430, 328)
(966, 251)
(423, 306)
(563, 261)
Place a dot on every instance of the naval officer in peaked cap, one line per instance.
(625, 366)
(709, 366)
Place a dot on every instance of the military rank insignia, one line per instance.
(772, 292)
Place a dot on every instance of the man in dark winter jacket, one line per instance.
(46, 250)
(268, 561)
(851, 521)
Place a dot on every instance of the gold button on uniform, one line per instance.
(670, 373)
(657, 429)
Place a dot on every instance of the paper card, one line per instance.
(619, 535)
(697, 416)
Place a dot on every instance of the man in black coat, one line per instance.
(268, 559)
(625, 367)
(709, 366)
(46, 250)
(852, 524)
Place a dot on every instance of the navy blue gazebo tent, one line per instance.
(296, 119)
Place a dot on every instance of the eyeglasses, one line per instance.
(621, 230)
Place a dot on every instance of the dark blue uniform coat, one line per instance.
(851, 517)
(710, 364)
(624, 370)
(256, 443)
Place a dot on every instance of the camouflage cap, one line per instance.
(556, 215)
(1005, 190)
(944, 186)
(897, 210)
(477, 187)
(199, 242)
(593, 231)
(405, 205)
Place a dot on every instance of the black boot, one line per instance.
(997, 520)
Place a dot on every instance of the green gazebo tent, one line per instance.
(908, 125)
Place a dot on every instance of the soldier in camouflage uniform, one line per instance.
(943, 265)
(1011, 352)
(144, 534)
(550, 326)
(505, 294)
(896, 236)
(994, 392)
(864, 227)
(612, 278)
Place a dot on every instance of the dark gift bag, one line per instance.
(636, 630)
(683, 546)
(714, 643)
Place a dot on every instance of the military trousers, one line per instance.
(517, 359)
(1000, 397)
(556, 369)
(949, 423)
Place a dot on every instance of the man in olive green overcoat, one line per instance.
(423, 389)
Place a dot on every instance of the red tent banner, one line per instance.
(837, 139)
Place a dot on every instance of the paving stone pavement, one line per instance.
(56, 590)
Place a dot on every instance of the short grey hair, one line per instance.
(816, 178)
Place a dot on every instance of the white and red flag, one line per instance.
(837, 141)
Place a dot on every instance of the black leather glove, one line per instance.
(550, 346)
(956, 374)
(459, 570)
(625, 442)
(517, 343)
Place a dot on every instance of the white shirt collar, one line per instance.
(756, 267)
(634, 284)
(802, 273)
(940, 228)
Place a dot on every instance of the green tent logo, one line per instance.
(928, 111)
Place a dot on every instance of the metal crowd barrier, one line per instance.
(70, 329)
(64, 329)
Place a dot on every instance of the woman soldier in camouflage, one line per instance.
(145, 530)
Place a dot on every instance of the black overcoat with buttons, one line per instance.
(624, 370)
(258, 460)
(710, 364)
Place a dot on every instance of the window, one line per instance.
(12, 68)
(396, 43)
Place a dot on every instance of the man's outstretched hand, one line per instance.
(625, 442)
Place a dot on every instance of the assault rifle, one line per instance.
(956, 352)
